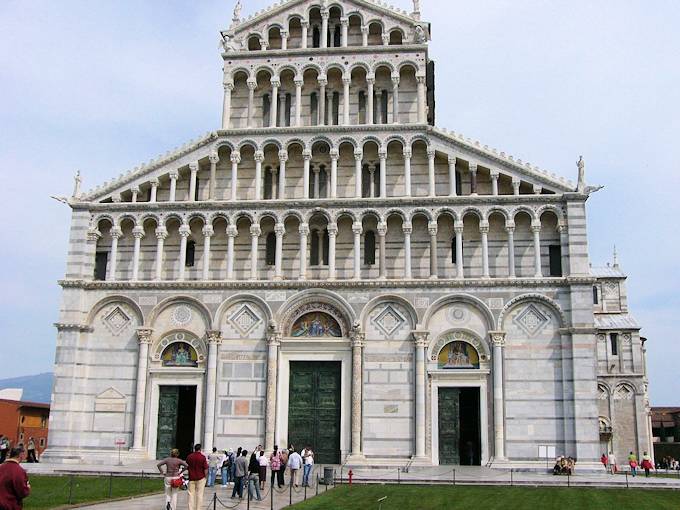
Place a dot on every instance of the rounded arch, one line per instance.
(126, 216)
(395, 211)
(173, 300)
(321, 139)
(271, 141)
(243, 70)
(367, 213)
(267, 214)
(173, 216)
(242, 214)
(344, 212)
(419, 138)
(223, 143)
(446, 211)
(338, 6)
(523, 208)
(335, 65)
(321, 211)
(197, 214)
(396, 138)
(481, 345)
(421, 211)
(496, 209)
(218, 215)
(295, 141)
(316, 300)
(177, 336)
(347, 139)
(383, 63)
(248, 143)
(532, 297)
(359, 65)
(465, 298)
(150, 216)
(370, 139)
(550, 208)
(313, 66)
(102, 303)
(100, 217)
(472, 210)
(388, 298)
(408, 63)
(264, 68)
(604, 386)
(292, 213)
(238, 298)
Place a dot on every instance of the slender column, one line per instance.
(284, 39)
(324, 27)
(422, 115)
(214, 341)
(174, 175)
(319, 239)
(207, 234)
(317, 187)
(432, 230)
(364, 35)
(235, 160)
(510, 229)
(116, 233)
(322, 99)
(344, 24)
(536, 229)
(356, 230)
(275, 181)
(382, 154)
(332, 234)
(345, 100)
(161, 234)
(498, 340)
(452, 176)
(282, 109)
(304, 232)
(273, 346)
(135, 193)
(232, 232)
(358, 156)
(494, 183)
(382, 232)
(484, 231)
(144, 340)
(279, 230)
(252, 85)
(255, 232)
(515, 186)
(458, 229)
(430, 172)
(298, 102)
(420, 344)
(371, 183)
(305, 25)
(357, 386)
(193, 168)
(370, 82)
(407, 171)
(283, 157)
(564, 245)
(306, 157)
(226, 104)
(395, 98)
(259, 158)
(538, 189)
(385, 39)
(473, 179)
(335, 155)
(138, 234)
(264, 44)
(329, 108)
(184, 233)
(154, 190)
(273, 106)
(214, 159)
(407, 229)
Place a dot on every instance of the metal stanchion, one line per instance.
(290, 497)
(70, 490)
(511, 480)
(214, 501)
(110, 484)
(305, 492)
(271, 492)
(317, 483)
(626, 472)
(454, 477)
(398, 477)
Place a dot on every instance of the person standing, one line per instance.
(275, 463)
(632, 462)
(282, 470)
(172, 476)
(254, 477)
(263, 462)
(612, 463)
(4, 448)
(605, 460)
(308, 459)
(294, 463)
(227, 461)
(30, 451)
(198, 470)
(214, 462)
(14, 484)
(240, 472)
(646, 463)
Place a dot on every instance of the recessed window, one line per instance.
(595, 298)
(101, 259)
(555, 257)
(191, 254)
(270, 256)
(369, 248)
(614, 341)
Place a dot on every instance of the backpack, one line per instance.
(284, 457)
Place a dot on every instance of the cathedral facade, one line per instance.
(329, 268)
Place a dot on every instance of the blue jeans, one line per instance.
(238, 487)
(305, 474)
(226, 475)
(254, 483)
(212, 474)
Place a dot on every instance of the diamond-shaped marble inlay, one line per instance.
(116, 320)
(531, 320)
(623, 393)
(389, 320)
(244, 319)
(181, 315)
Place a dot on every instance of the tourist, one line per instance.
(227, 462)
(294, 463)
(240, 472)
(632, 462)
(282, 470)
(4, 447)
(263, 463)
(612, 463)
(605, 461)
(214, 462)
(30, 451)
(198, 470)
(308, 459)
(14, 485)
(254, 477)
(172, 477)
(646, 463)
(275, 463)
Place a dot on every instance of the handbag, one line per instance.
(176, 483)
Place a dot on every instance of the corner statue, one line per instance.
(581, 185)
(237, 12)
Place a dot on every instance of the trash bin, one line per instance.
(328, 476)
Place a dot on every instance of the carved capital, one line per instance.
(494, 175)
(322, 80)
(386, 39)
(407, 228)
(235, 157)
(214, 336)
(357, 228)
(325, 13)
(420, 79)
(473, 168)
(358, 154)
(334, 154)
(535, 227)
(283, 155)
(184, 230)
(344, 21)
(382, 228)
(208, 231)
(231, 231)
(279, 229)
(382, 152)
(173, 174)
(509, 226)
(154, 182)
(332, 229)
(346, 80)
(138, 232)
(452, 160)
(144, 335)
(135, 188)
(161, 233)
(116, 232)
(193, 166)
(259, 156)
(93, 235)
(432, 228)
(251, 84)
(497, 338)
(275, 82)
(431, 153)
(214, 158)
(303, 229)
(538, 189)
(407, 152)
(307, 154)
(298, 81)
(484, 227)
(420, 338)
(370, 78)
(228, 85)
(255, 231)
(364, 29)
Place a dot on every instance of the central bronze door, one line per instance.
(314, 408)
(449, 427)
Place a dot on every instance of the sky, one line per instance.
(103, 86)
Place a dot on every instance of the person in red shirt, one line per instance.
(14, 485)
(198, 470)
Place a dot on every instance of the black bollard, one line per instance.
(398, 477)
(454, 477)
(626, 479)
(290, 497)
(214, 501)
(271, 494)
(511, 477)
(317, 483)
(110, 484)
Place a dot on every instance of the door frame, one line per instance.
(327, 350)
(460, 379)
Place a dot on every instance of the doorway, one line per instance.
(176, 420)
(459, 429)
(314, 408)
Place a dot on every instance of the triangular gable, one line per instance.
(110, 394)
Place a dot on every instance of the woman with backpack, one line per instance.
(275, 463)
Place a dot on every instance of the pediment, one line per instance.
(110, 394)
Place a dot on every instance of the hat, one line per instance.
(230, 450)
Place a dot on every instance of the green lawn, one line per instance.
(427, 497)
(53, 491)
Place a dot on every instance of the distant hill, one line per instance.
(37, 388)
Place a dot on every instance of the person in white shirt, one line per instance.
(294, 463)
(263, 461)
(308, 459)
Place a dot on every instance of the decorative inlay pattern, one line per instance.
(389, 320)
(458, 314)
(181, 315)
(116, 320)
(531, 320)
(244, 319)
(623, 393)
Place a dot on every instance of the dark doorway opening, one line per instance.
(176, 420)
(459, 428)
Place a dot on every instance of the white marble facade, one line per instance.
(328, 189)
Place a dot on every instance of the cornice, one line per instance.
(305, 52)
(65, 326)
(314, 130)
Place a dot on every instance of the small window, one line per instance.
(376, 180)
(191, 254)
(197, 189)
(316, 37)
(614, 340)
(369, 248)
(266, 110)
(336, 108)
(314, 108)
(595, 298)
(323, 182)
(270, 256)
(365, 182)
(453, 250)
(383, 107)
(362, 107)
(42, 442)
(326, 242)
(21, 437)
(288, 108)
(459, 188)
(101, 259)
(314, 248)
(555, 256)
(268, 183)
(336, 36)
